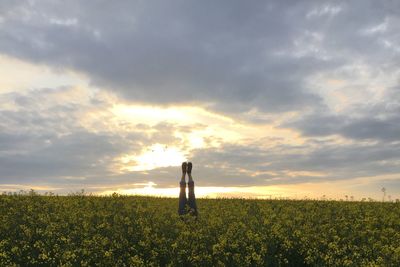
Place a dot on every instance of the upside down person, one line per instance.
(185, 205)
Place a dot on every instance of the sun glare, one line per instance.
(194, 127)
(148, 114)
(156, 156)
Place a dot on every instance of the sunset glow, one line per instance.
(156, 156)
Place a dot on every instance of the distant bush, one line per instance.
(119, 230)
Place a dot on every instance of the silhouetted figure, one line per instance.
(186, 206)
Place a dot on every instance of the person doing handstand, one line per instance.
(185, 205)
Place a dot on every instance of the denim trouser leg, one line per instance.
(182, 199)
(192, 198)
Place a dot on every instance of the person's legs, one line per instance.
(182, 193)
(192, 198)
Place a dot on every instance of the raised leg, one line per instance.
(192, 197)
(182, 193)
(182, 199)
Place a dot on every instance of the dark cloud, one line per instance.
(373, 122)
(386, 129)
(76, 155)
(363, 128)
(231, 55)
(225, 53)
(285, 164)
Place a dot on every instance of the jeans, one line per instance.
(185, 205)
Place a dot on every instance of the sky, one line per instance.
(297, 99)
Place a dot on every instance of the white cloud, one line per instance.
(379, 28)
(64, 22)
(324, 10)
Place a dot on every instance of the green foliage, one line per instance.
(119, 230)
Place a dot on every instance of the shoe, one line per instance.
(184, 167)
(189, 168)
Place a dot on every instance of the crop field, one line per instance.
(146, 231)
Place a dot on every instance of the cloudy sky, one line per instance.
(281, 98)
